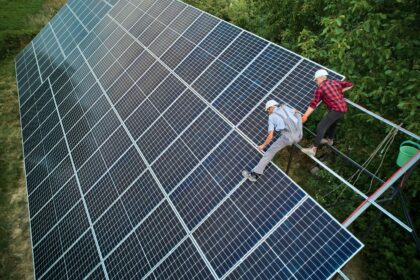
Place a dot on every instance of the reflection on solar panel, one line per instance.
(137, 118)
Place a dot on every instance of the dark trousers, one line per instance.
(327, 126)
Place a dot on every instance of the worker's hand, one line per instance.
(261, 147)
(295, 110)
(304, 118)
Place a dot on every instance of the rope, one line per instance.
(373, 154)
(383, 147)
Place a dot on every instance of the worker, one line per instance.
(331, 93)
(284, 124)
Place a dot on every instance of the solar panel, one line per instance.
(137, 119)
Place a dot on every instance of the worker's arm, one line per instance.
(314, 102)
(307, 114)
(346, 89)
(345, 85)
(267, 140)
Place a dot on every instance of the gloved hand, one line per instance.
(304, 118)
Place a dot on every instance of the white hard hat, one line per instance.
(270, 103)
(320, 73)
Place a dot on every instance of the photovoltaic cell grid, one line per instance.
(137, 120)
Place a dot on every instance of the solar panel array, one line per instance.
(137, 119)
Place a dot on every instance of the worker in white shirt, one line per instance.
(283, 123)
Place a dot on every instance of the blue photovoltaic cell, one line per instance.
(262, 263)
(224, 243)
(217, 40)
(214, 80)
(184, 111)
(133, 114)
(147, 37)
(98, 274)
(82, 257)
(115, 146)
(66, 197)
(163, 42)
(197, 196)
(177, 52)
(185, 19)
(151, 146)
(112, 227)
(141, 118)
(205, 133)
(100, 197)
(193, 65)
(140, 65)
(156, 9)
(47, 252)
(127, 169)
(271, 66)
(238, 99)
(128, 260)
(142, 197)
(296, 238)
(200, 28)
(229, 159)
(242, 51)
(133, 98)
(167, 92)
(58, 271)
(263, 204)
(184, 263)
(174, 164)
(73, 225)
(159, 233)
(172, 12)
(152, 78)
(39, 197)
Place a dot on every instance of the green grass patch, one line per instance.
(14, 14)
(15, 248)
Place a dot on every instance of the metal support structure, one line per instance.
(382, 119)
(349, 159)
(398, 191)
(360, 193)
(343, 276)
(371, 199)
(289, 162)
(409, 220)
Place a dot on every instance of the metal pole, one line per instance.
(289, 162)
(371, 199)
(410, 222)
(356, 190)
(349, 159)
(343, 276)
(383, 120)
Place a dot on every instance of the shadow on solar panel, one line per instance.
(137, 120)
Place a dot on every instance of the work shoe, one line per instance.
(327, 141)
(250, 175)
(311, 151)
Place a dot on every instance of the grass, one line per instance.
(14, 14)
(19, 20)
(15, 247)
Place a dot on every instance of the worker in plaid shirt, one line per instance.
(331, 93)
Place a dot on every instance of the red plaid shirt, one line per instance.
(331, 92)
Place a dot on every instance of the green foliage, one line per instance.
(218, 8)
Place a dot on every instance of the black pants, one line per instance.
(327, 126)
